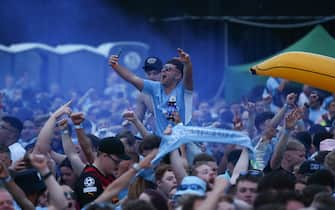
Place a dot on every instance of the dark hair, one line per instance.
(251, 176)
(305, 138)
(99, 206)
(160, 171)
(128, 135)
(203, 157)
(266, 198)
(261, 118)
(276, 180)
(138, 205)
(179, 65)
(324, 200)
(310, 191)
(149, 142)
(157, 199)
(65, 163)
(233, 156)
(14, 122)
(138, 186)
(322, 177)
(278, 198)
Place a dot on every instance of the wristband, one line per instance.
(136, 167)
(78, 126)
(65, 132)
(6, 179)
(47, 175)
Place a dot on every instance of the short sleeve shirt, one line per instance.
(160, 101)
(91, 184)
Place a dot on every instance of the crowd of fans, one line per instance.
(94, 150)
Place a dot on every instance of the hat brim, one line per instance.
(151, 68)
(123, 156)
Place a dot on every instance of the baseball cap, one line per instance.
(113, 146)
(192, 185)
(30, 181)
(152, 63)
(308, 167)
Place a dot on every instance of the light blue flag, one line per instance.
(184, 134)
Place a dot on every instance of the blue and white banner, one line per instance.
(184, 134)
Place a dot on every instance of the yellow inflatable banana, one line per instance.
(307, 68)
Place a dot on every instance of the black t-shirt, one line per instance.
(91, 184)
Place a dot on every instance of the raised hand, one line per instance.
(146, 161)
(220, 184)
(129, 115)
(77, 118)
(62, 124)
(183, 56)
(292, 118)
(64, 109)
(251, 107)
(113, 61)
(290, 99)
(39, 161)
(19, 165)
(168, 130)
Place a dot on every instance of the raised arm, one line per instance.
(57, 196)
(19, 196)
(212, 198)
(241, 165)
(290, 102)
(188, 69)
(70, 150)
(43, 139)
(290, 122)
(125, 73)
(123, 181)
(84, 141)
(132, 117)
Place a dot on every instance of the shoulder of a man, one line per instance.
(88, 186)
(149, 86)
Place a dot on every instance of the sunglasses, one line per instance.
(190, 187)
(117, 161)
